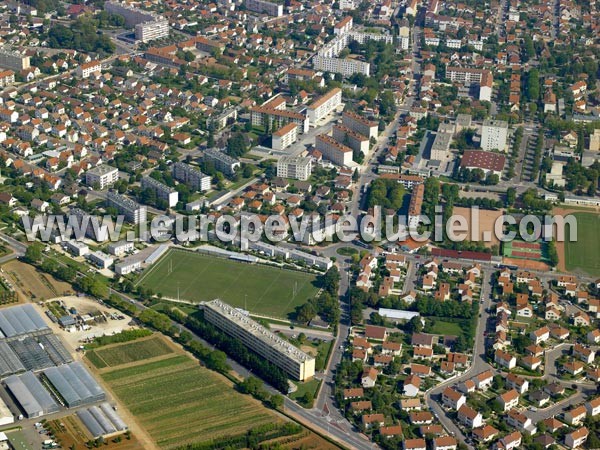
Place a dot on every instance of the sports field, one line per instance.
(178, 401)
(260, 289)
(117, 355)
(584, 254)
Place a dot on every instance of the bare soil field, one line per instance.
(33, 284)
(527, 264)
(486, 219)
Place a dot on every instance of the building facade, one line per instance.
(101, 175)
(133, 211)
(294, 167)
(162, 191)
(191, 176)
(284, 355)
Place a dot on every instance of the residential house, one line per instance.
(509, 400)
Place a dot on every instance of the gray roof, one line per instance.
(9, 361)
(20, 320)
(31, 394)
(74, 384)
(101, 420)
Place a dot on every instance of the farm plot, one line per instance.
(117, 355)
(179, 402)
(260, 289)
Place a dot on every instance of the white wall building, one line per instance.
(494, 134)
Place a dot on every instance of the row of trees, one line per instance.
(234, 348)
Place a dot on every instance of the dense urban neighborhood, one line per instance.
(273, 224)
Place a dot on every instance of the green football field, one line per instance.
(584, 254)
(261, 289)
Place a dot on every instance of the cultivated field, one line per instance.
(119, 354)
(176, 400)
(584, 254)
(32, 283)
(259, 288)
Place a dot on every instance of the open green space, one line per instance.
(179, 402)
(129, 352)
(258, 288)
(445, 328)
(584, 253)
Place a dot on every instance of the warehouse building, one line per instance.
(31, 395)
(74, 384)
(102, 421)
(9, 361)
(276, 350)
(20, 321)
(6, 417)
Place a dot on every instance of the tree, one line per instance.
(306, 313)
(276, 401)
(511, 196)
(217, 360)
(33, 254)
(236, 145)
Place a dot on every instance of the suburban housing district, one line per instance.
(170, 113)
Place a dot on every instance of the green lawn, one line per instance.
(179, 402)
(259, 288)
(584, 254)
(445, 328)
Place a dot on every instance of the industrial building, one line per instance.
(31, 395)
(133, 211)
(6, 417)
(9, 361)
(102, 176)
(295, 167)
(101, 421)
(74, 384)
(162, 191)
(20, 321)
(191, 176)
(296, 363)
(222, 161)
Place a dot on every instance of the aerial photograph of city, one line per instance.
(298, 224)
